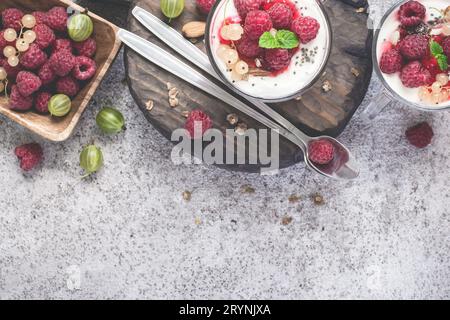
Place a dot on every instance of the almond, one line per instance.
(194, 29)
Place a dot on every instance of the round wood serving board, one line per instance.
(318, 112)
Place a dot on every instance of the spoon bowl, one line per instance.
(343, 165)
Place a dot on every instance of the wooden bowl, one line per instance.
(108, 45)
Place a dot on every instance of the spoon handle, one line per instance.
(188, 50)
(175, 66)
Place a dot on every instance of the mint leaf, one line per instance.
(438, 52)
(268, 41)
(436, 48)
(442, 62)
(287, 39)
(283, 39)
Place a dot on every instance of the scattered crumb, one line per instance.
(232, 118)
(327, 86)
(187, 195)
(298, 98)
(197, 221)
(293, 198)
(247, 189)
(170, 86)
(241, 128)
(355, 72)
(149, 105)
(173, 102)
(318, 199)
(173, 93)
(360, 10)
(286, 220)
(185, 113)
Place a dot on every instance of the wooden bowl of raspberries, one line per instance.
(53, 56)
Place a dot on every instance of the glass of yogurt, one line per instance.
(271, 50)
(411, 56)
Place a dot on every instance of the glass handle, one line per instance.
(377, 104)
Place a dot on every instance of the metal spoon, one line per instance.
(184, 47)
(342, 166)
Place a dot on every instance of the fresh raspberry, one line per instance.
(86, 48)
(57, 18)
(19, 102)
(40, 16)
(411, 13)
(30, 155)
(62, 44)
(247, 47)
(41, 102)
(11, 71)
(46, 74)
(12, 18)
(420, 135)
(84, 69)
(68, 86)
(321, 151)
(431, 64)
(33, 58)
(199, 119)
(414, 46)
(306, 28)
(28, 83)
(243, 7)
(44, 36)
(4, 43)
(414, 75)
(205, 5)
(281, 16)
(446, 46)
(62, 62)
(256, 23)
(391, 61)
(276, 59)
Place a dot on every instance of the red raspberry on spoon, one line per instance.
(321, 151)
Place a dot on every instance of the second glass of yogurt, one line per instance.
(411, 56)
(271, 50)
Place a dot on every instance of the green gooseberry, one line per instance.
(110, 120)
(91, 159)
(59, 105)
(171, 8)
(80, 27)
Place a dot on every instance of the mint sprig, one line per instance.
(283, 39)
(268, 41)
(438, 52)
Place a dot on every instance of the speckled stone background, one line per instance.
(128, 233)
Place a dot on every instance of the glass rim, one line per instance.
(290, 97)
(379, 73)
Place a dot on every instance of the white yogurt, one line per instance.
(387, 30)
(298, 75)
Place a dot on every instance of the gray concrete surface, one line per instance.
(128, 233)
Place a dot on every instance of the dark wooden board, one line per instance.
(317, 113)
